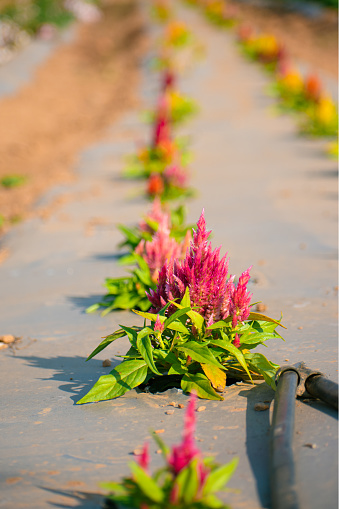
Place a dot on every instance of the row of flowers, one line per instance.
(202, 326)
(199, 327)
(304, 96)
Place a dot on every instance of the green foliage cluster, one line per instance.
(184, 345)
(31, 15)
(154, 491)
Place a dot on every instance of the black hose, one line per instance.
(283, 484)
(322, 388)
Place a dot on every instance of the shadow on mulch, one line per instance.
(258, 438)
(78, 375)
(83, 499)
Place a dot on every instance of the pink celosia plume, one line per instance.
(183, 453)
(160, 249)
(144, 458)
(157, 215)
(175, 176)
(202, 271)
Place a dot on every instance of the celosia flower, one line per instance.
(158, 326)
(175, 176)
(245, 33)
(292, 81)
(144, 458)
(183, 453)
(160, 249)
(313, 87)
(326, 111)
(162, 132)
(155, 215)
(205, 274)
(168, 80)
(240, 299)
(155, 184)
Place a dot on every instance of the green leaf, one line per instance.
(132, 334)
(129, 234)
(187, 482)
(145, 348)
(200, 384)
(146, 483)
(258, 363)
(233, 350)
(197, 320)
(219, 325)
(176, 315)
(107, 341)
(219, 477)
(164, 448)
(123, 378)
(264, 318)
(200, 353)
(176, 326)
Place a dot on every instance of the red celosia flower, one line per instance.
(168, 80)
(144, 458)
(158, 326)
(313, 87)
(155, 184)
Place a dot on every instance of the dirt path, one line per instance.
(73, 97)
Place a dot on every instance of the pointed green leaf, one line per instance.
(196, 318)
(264, 318)
(107, 341)
(219, 477)
(187, 482)
(200, 353)
(145, 348)
(123, 378)
(199, 383)
(233, 350)
(176, 326)
(176, 315)
(146, 483)
(164, 448)
(258, 363)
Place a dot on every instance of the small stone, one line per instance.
(172, 404)
(137, 452)
(180, 405)
(215, 437)
(158, 431)
(159, 451)
(169, 412)
(310, 446)
(286, 360)
(7, 339)
(201, 408)
(260, 407)
(260, 307)
(301, 327)
(106, 363)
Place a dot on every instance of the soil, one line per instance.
(74, 96)
(312, 40)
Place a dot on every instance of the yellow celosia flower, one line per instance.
(292, 81)
(325, 111)
(266, 45)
